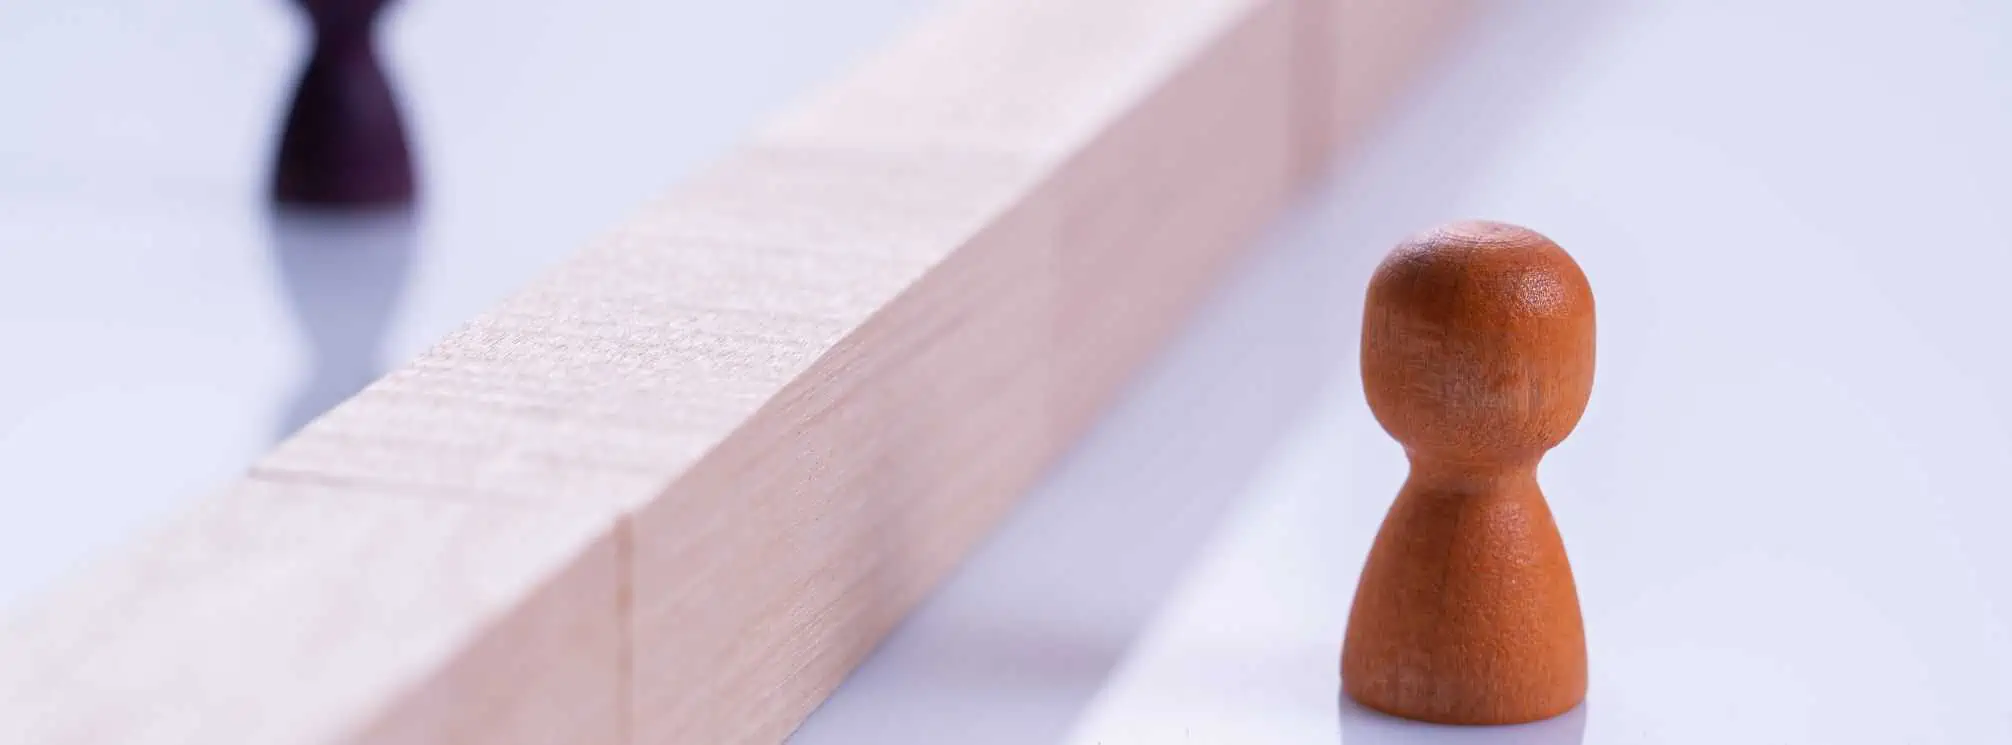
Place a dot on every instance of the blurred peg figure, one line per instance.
(344, 142)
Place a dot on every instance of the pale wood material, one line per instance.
(937, 412)
(1477, 354)
(281, 613)
(1355, 57)
(799, 389)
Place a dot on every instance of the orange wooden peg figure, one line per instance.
(1477, 355)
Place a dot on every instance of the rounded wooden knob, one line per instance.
(1477, 355)
(1477, 344)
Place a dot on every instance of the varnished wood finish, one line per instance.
(1477, 355)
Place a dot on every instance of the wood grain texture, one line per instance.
(283, 613)
(866, 481)
(1477, 355)
(753, 425)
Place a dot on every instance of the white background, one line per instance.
(1787, 506)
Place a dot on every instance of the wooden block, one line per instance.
(675, 490)
(278, 613)
(775, 564)
(1355, 56)
(606, 380)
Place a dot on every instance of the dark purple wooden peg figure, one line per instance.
(345, 141)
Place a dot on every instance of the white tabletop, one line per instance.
(1787, 504)
(162, 326)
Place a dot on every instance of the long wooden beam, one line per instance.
(674, 491)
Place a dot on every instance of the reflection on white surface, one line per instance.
(1785, 505)
(342, 270)
(1364, 726)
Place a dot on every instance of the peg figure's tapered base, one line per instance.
(1466, 612)
(344, 140)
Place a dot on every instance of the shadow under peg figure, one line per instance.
(343, 271)
(1361, 725)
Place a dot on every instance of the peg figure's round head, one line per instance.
(1477, 344)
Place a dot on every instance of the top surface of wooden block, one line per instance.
(603, 380)
(282, 613)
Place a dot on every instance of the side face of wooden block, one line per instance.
(862, 484)
(551, 669)
(296, 614)
(1354, 56)
(1152, 209)
(780, 558)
